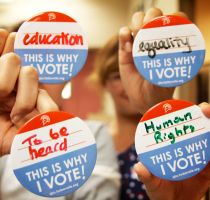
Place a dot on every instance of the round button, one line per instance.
(172, 140)
(53, 154)
(54, 44)
(169, 51)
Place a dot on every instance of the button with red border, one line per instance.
(173, 140)
(53, 154)
(169, 51)
(54, 44)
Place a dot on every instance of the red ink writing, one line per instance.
(36, 150)
(56, 135)
(46, 150)
(56, 39)
(32, 142)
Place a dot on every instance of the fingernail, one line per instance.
(205, 107)
(137, 19)
(15, 119)
(204, 104)
(124, 30)
(128, 47)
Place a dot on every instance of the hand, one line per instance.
(193, 188)
(142, 94)
(20, 96)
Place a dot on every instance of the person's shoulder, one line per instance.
(95, 125)
(103, 138)
(98, 128)
(3, 161)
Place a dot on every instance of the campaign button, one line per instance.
(54, 44)
(173, 139)
(53, 154)
(169, 51)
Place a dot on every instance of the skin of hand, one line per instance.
(193, 188)
(20, 96)
(142, 94)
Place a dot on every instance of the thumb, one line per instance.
(151, 182)
(205, 107)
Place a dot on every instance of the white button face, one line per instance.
(172, 140)
(53, 154)
(54, 44)
(169, 51)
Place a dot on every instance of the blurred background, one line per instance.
(101, 19)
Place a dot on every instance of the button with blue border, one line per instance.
(53, 154)
(54, 44)
(169, 51)
(173, 140)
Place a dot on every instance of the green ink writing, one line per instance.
(160, 135)
(151, 127)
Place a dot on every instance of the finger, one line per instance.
(181, 14)
(27, 92)
(125, 39)
(125, 52)
(3, 37)
(9, 71)
(26, 118)
(6, 140)
(152, 13)
(137, 22)
(142, 172)
(205, 107)
(45, 103)
(125, 46)
(9, 45)
(54, 92)
(151, 182)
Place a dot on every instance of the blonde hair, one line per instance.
(106, 62)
